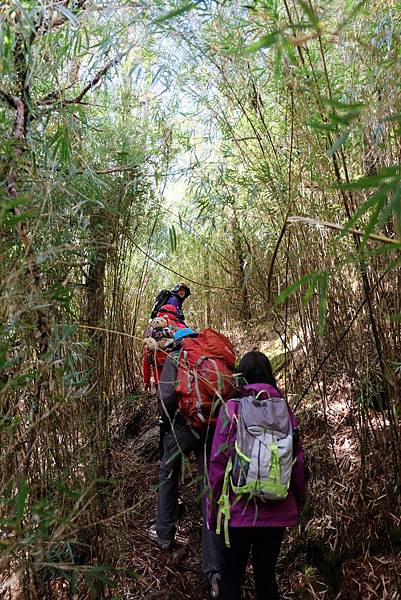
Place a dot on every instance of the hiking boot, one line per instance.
(215, 585)
(163, 544)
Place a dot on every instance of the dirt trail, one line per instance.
(320, 561)
(163, 575)
(324, 559)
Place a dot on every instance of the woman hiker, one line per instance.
(254, 526)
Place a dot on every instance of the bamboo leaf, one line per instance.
(314, 124)
(264, 42)
(373, 236)
(294, 287)
(176, 12)
(9, 219)
(67, 13)
(349, 106)
(371, 181)
(378, 198)
(393, 208)
(343, 119)
(338, 143)
(311, 288)
(310, 13)
(173, 238)
(373, 219)
(391, 118)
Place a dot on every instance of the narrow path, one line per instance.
(173, 575)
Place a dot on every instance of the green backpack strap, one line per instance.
(224, 505)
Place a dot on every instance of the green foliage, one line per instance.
(176, 12)
(180, 157)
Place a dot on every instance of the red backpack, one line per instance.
(204, 377)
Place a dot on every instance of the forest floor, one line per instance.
(324, 559)
(176, 574)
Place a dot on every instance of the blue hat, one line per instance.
(183, 332)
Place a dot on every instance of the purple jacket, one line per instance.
(175, 301)
(247, 512)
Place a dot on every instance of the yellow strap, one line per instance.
(224, 505)
(226, 535)
(241, 454)
(218, 528)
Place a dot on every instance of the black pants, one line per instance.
(265, 544)
(178, 443)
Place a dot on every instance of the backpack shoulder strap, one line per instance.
(224, 504)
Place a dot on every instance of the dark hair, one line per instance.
(180, 286)
(255, 367)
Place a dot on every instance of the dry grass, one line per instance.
(344, 516)
(343, 550)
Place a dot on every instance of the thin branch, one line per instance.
(355, 232)
(44, 27)
(89, 86)
(184, 277)
(338, 342)
(290, 203)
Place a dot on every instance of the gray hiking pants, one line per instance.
(177, 443)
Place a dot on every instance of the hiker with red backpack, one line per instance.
(174, 297)
(159, 333)
(256, 479)
(196, 378)
(168, 305)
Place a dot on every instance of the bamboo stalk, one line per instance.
(327, 224)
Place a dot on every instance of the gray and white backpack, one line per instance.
(263, 458)
(262, 462)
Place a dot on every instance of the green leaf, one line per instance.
(338, 143)
(63, 295)
(10, 219)
(343, 119)
(264, 42)
(311, 288)
(10, 203)
(314, 124)
(349, 106)
(20, 498)
(294, 287)
(173, 238)
(61, 144)
(393, 208)
(310, 13)
(20, 381)
(377, 198)
(277, 63)
(99, 573)
(390, 118)
(176, 12)
(373, 219)
(371, 181)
